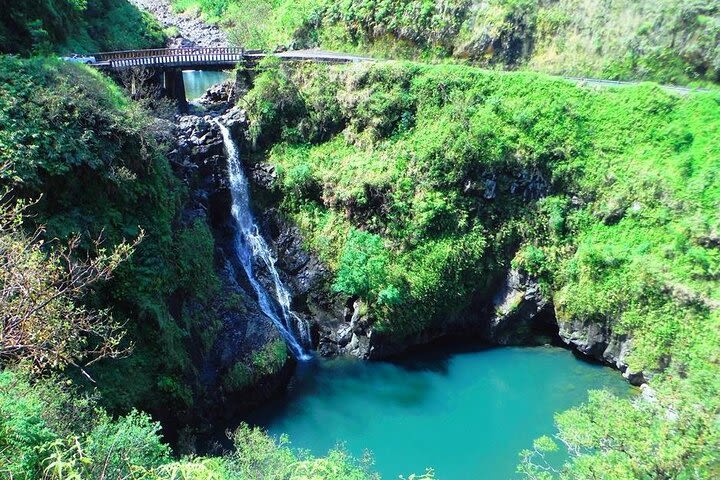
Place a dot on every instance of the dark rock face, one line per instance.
(308, 280)
(340, 325)
(516, 314)
(264, 175)
(521, 314)
(599, 342)
(239, 327)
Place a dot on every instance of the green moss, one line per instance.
(270, 359)
(76, 142)
(267, 361)
(195, 249)
(238, 377)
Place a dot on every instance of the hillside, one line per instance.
(304, 229)
(76, 26)
(421, 186)
(668, 41)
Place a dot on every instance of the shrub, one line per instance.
(363, 267)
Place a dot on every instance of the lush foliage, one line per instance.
(419, 186)
(76, 143)
(671, 435)
(442, 178)
(75, 26)
(50, 431)
(265, 362)
(672, 41)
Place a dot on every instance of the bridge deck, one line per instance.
(194, 58)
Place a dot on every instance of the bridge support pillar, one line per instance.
(175, 87)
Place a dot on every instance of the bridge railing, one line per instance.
(166, 52)
(207, 57)
(177, 60)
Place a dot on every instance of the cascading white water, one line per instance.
(250, 244)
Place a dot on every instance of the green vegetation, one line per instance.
(74, 142)
(422, 185)
(49, 430)
(194, 245)
(87, 155)
(77, 26)
(676, 436)
(419, 186)
(42, 324)
(670, 41)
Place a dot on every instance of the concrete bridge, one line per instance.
(166, 64)
(208, 58)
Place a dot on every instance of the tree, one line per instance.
(138, 81)
(42, 318)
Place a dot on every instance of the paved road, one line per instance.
(618, 83)
(317, 55)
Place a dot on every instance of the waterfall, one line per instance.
(249, 245)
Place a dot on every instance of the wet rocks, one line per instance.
(218, 97)
(222, 99)
(339, 325)
(235, 119)
(264, 175)
(227, 330)
(200, 154)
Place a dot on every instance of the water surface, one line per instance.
(198, 81)
(466, 414)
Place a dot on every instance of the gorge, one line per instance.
(440, 390)
(418, 256)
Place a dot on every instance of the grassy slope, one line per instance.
(386, 167)
(670, 41)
